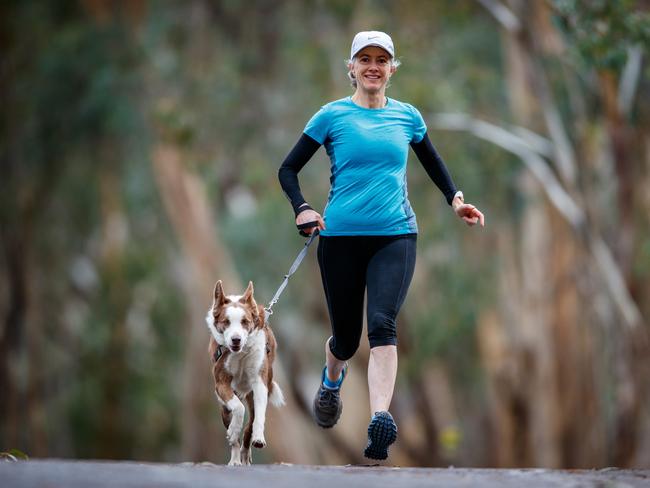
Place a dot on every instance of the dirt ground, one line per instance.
(72, 474)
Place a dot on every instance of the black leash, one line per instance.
(292, 270)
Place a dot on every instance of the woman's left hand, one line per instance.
(470, 214)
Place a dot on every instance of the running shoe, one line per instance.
(327, 403)
(382, 432)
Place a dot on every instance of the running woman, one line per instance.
(368, 233)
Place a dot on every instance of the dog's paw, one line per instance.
(234, 462)
(246, 456)
(259, 442)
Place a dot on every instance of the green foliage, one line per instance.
(14, 455)
(600, 32)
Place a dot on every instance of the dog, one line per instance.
(242, 348)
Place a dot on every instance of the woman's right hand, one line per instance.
(310, 215)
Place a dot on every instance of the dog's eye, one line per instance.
(245, 321)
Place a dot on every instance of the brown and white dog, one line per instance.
(242, 348)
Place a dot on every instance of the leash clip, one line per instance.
(268, 312)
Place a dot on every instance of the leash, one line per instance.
(268, 310)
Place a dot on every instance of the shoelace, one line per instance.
(328, 398)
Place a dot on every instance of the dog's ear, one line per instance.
(247, 297)
(219, 297)
(260, 317)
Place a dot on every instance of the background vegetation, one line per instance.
(139, 149)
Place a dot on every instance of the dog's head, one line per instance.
(232, 318)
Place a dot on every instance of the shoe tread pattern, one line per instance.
(382, 432)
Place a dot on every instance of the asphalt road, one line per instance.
(54, 473)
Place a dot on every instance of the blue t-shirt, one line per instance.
(368, 150)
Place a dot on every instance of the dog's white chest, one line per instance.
(245, 366)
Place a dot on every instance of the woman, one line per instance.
(368, 233)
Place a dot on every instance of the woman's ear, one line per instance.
(351, 69)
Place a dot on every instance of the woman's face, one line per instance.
(372, 69)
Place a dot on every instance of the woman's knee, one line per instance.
(343, 349)
(382, 329)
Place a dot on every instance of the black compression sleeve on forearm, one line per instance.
(293, 163)
(435, 167)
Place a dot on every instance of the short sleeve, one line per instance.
(318, 126)
(419, 127)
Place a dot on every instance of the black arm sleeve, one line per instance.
(293, 163)
(434, 167)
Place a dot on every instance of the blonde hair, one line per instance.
(353, 81)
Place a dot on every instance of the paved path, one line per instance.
(89, 474)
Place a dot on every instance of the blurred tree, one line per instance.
(553, 440)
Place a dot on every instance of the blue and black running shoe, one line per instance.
(328, 406)
(382, 432)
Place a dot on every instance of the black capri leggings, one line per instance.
(351, 264)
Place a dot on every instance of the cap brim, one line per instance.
(373, 45)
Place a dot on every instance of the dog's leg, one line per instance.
(246, 455)
(234, 429)
(260, 400)
(235, 455)
(226, 416)
(236, 413)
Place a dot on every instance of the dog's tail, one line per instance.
(276, 397)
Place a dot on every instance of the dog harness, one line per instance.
(221, 349)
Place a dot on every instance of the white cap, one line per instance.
(372, 38)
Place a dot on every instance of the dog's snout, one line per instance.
(236, 340)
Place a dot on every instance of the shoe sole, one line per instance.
(382, 432)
